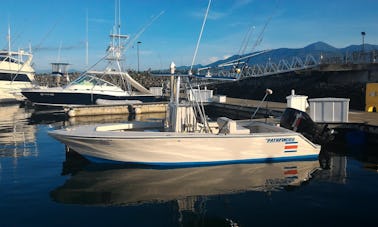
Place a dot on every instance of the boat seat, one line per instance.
(115, 127)
(212, 125)
(136, 125)
(229, 126)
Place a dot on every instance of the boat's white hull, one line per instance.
(167, 148)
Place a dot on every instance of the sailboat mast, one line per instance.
(200, 36)
(119, 23)
(86, 41)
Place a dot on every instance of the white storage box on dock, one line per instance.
(157, 91)
(329, 109)
(298, 102)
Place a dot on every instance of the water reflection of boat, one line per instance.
(17, 136)
(334, 166)
(128, 186)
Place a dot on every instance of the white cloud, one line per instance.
(213, 15)
(100, 20)
(210, 60)
(216, 15)
(240, 3)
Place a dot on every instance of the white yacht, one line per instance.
(16, 73)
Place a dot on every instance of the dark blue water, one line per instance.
(40, 185)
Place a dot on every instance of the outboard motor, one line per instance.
(301, 122)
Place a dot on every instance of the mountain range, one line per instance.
(315, 49)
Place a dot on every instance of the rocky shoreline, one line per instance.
(144, 78)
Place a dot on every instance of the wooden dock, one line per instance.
(355, 117)
(365, 122)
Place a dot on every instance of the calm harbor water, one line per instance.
(40, 185)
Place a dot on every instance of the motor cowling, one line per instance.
(301, 122)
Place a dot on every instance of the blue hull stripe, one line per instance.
(292, 177)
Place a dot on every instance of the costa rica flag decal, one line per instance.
(291, 146)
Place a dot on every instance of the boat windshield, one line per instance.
(89, 80)
(9, 59)
(14, 77)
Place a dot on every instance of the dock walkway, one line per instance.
(354, 116)
(254, 103)
(366, 122)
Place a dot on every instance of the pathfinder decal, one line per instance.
(279, 140)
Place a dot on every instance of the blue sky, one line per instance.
(52, 25)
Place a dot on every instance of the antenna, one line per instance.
(200, 110)
(86, 41)
(144, 28)
(119, 19)
(60, 47)
(261, 35)
(200, 36)
(9, 39)
(246, 40)
(267, 92)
